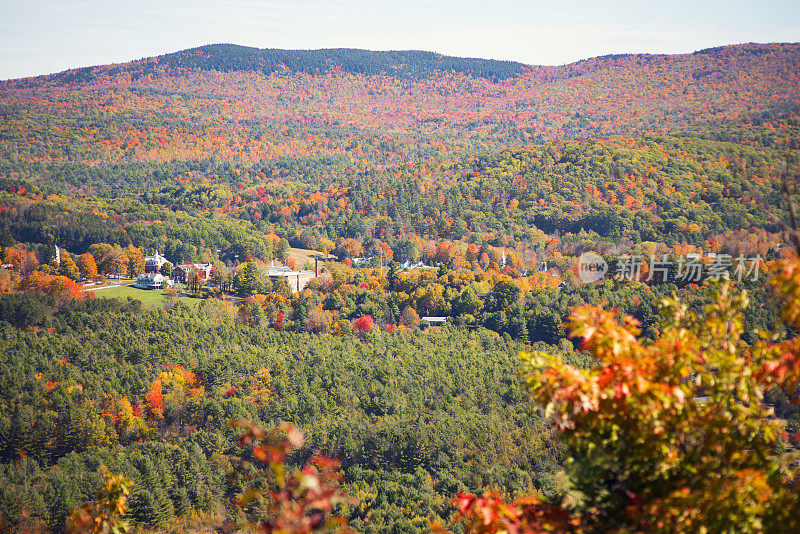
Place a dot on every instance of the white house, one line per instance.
(153, 264)
(151, 281)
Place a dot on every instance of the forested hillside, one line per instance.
(661, 189)
(414, 417)
(223, 104)
(454, 191)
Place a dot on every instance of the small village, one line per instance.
(160, 274)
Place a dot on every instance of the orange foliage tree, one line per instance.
(59, 287)
(87, 266)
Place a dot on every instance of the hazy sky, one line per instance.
(44, 36)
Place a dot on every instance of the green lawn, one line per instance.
(151, 297)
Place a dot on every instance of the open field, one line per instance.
(148, 296)
(302, 255)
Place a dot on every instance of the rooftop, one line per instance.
(286, 271)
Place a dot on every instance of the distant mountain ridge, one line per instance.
(226, 57)
(409, 64)
(247, 104)
(402, 63)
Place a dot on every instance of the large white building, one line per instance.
(151, 281)
(296, 280)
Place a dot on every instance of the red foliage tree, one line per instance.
(155, 401)
(362, 325)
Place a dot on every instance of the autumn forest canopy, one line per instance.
(412, 188)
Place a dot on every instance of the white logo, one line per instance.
(591, 267)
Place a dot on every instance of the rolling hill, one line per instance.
(243, 104)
